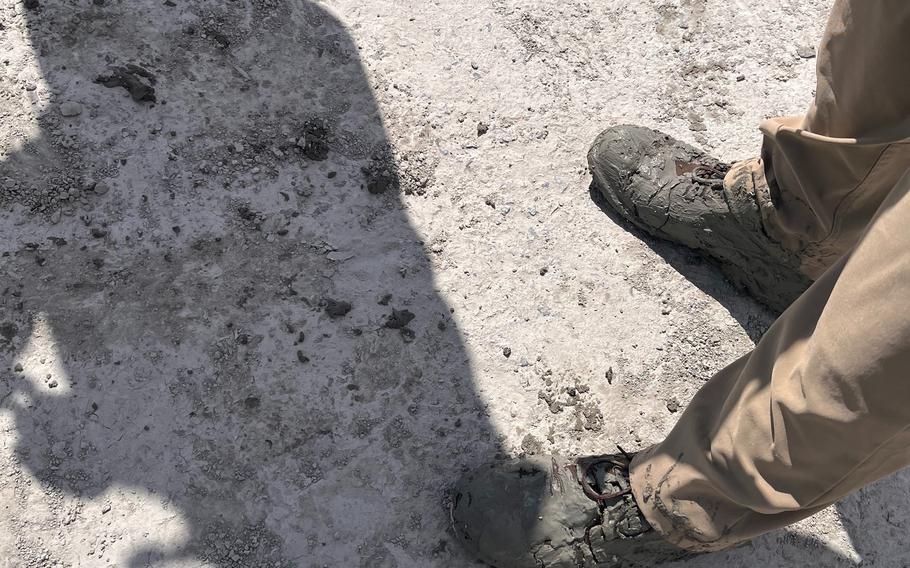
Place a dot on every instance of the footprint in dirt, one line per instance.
(213, 302)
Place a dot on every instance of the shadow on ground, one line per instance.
(753, 317)
(215, 296)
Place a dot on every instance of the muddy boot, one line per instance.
(673, 191)
(556, 513)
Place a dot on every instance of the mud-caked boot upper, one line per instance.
(676, 192)
(552, 512)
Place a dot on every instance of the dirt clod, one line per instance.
(138, 81)
(337, 308)
(398, 319)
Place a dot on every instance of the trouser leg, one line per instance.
(829, 170)
(819, 409)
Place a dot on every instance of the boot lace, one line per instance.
(710, 175)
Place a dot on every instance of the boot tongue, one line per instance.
(608, 479)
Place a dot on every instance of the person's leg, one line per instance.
(817, 411)
(829, 170)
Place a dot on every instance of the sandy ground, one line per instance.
(347, 252)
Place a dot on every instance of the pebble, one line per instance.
(507, 352)
(18, 367)
(806, 51)
(399, 319)
(52, 383)
(101, 188)
(106, 508)
(336, 308)
(696, 123)
(70, 109)
(482, 128)
(673, 405)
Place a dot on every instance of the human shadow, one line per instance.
(212, 292)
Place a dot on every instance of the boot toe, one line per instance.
(522, 513)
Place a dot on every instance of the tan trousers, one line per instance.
(821, 407)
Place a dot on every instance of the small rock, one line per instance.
(98, 232)
(609, 376)
(138, 81)
(101, 188)
(301, 357)
(18, 367)
(399, 319)
(806, 51)
(106, 509)
(70, 109)
(507, 352)
(531, 445)
(52, 383)
(673, 405)
(337, 308)
(482, 128)
(544, 270)
(696, 123)
(55, 217)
